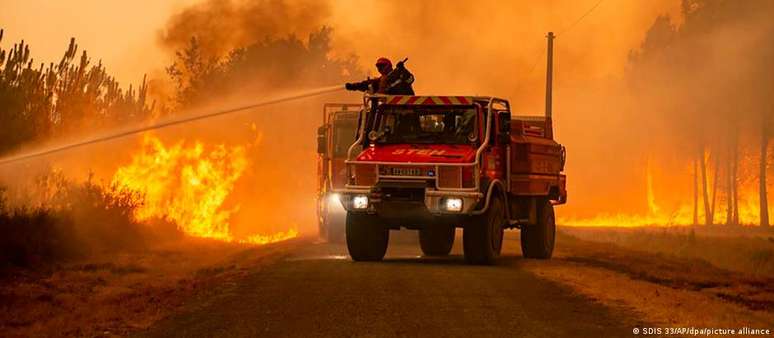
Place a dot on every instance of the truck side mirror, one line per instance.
(504, 130)
(322, 140)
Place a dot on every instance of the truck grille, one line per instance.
(403, 171)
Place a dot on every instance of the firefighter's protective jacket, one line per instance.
(398, 82)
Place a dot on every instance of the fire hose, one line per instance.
(164, 124)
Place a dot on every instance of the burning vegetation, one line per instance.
(199, 187)
(684, 135)
(188, 185)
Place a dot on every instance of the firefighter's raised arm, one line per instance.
(401, 64)
(359, 86)
(400, 80)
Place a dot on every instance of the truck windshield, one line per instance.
(343, 136)
(437, 125)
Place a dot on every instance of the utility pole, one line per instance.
(549, 74)
(549, 129)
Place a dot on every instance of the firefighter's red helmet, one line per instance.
(383, 61)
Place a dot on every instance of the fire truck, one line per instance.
(437, 163)
(334, 138)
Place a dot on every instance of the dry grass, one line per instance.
(123, 292)
(668, 276)
(743, 249)
(31, 238)
(58, 220)
(78, 264)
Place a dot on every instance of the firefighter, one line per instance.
(395, 81)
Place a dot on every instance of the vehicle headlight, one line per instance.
(453, 204)
(360, 202)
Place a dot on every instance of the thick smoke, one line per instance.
(638, 85)
(697, 93)
(240, 51)
(222, 26)
(482, 48)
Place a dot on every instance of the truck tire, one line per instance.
(482, 237)
(366, 239)
(537, 240)
(436, 239)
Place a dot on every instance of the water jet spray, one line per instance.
(168, 123)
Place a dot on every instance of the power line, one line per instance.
(165, 124)
(543, 51)
(531, 69)
(537, 61)
(580, 18)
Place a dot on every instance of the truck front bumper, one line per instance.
(436, 201)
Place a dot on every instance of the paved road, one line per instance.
(318, 291)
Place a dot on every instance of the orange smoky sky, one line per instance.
(443, 39)
(496, 47)
(120, 33)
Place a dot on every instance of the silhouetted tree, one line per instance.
(70, 96)
(267, 65)
(707, 75)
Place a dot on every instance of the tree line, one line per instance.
(709, 79)
(44, 101)
(40, 101)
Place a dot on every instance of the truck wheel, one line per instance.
(537, 241)
(366, 239)
(482, 237)
(436, 239)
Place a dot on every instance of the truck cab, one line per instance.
(334, 138)
(437, 163)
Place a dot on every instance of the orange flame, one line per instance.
(652, 206)
(277, 237)
(659, 214)
(189, 185)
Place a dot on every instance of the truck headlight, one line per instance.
(453, 204)
(360, 202)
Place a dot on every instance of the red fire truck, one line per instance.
(437, 163)
(334, 138)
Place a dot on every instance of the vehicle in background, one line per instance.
(334, 138)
